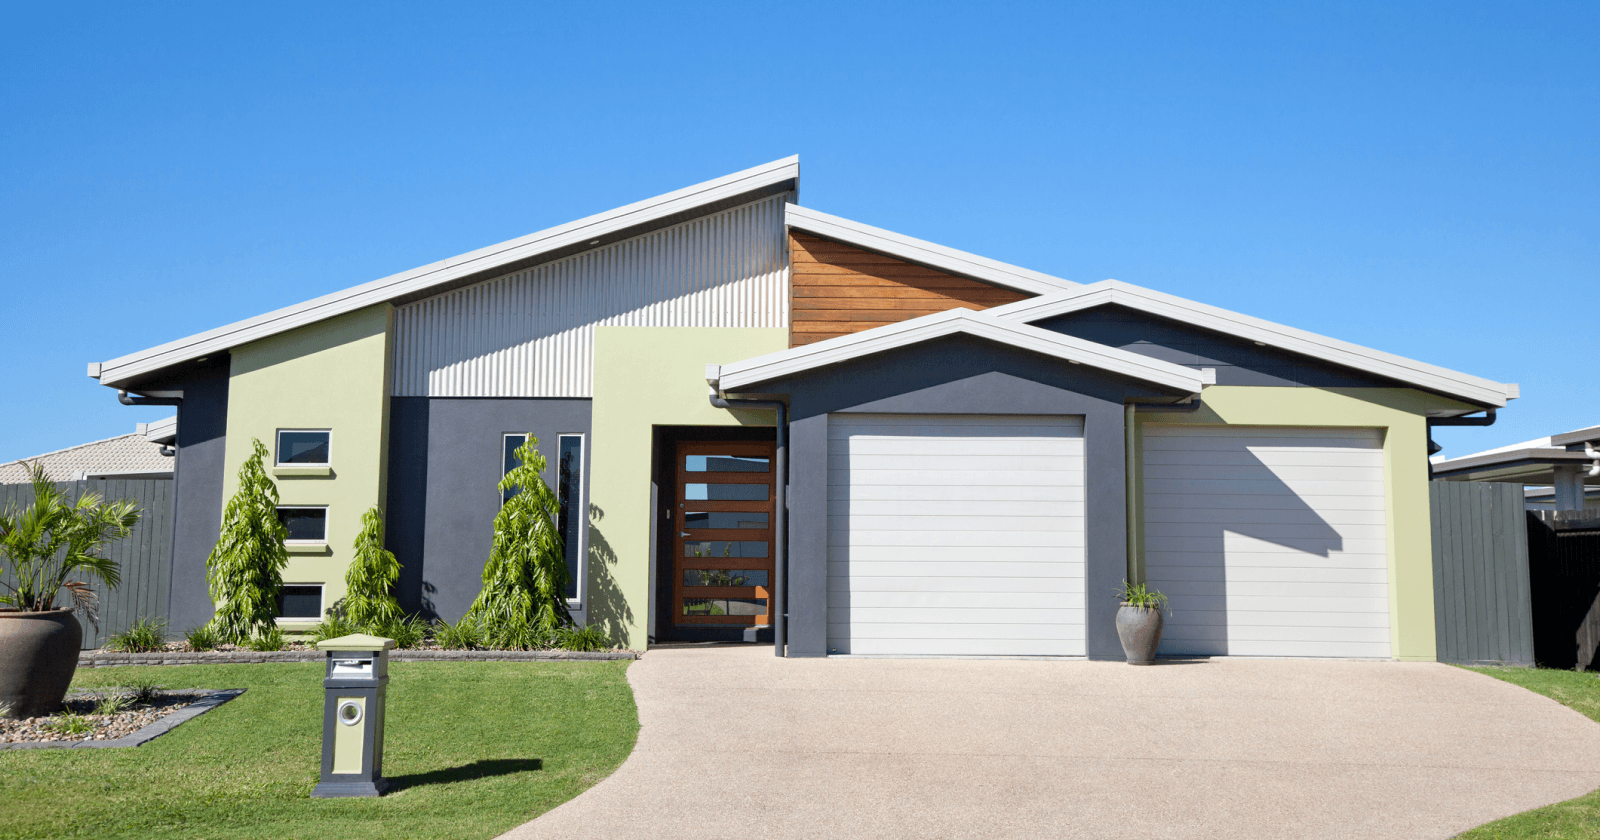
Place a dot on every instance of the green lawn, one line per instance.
(1575, 819)
(473, 748)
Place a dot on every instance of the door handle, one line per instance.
(683, 533)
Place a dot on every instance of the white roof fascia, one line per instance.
(472, 262)
(1441, 380)
(924, 253)
(161, 431)
(739, 375)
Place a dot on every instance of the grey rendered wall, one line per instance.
(445, 460)
(1482, 605)
(958, 376)
(198, 479)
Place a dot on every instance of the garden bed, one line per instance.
(111, 717)
(244, 656)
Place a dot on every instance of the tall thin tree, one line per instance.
(369, 600)
(523, 601)
(245, 569)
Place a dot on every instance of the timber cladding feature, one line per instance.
(839, 289)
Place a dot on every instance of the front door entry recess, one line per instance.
(723, 545)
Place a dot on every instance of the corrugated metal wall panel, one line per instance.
(529, 334)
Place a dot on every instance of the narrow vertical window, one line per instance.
(512, 442)
(569, 493)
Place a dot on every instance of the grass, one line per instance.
(473, 749)
(1575, 819)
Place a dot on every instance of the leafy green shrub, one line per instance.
(407, 632)
(54, 540)
(1141, 595)
(373, 572)
(112, 704)
(269, 641)
(201, 638)
(463, 635)
(146, 635)
(245, 569)
(70, 724)
(523, 600)
(332, 627)
(582, 639)
(141, 691)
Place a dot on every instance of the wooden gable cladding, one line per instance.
(840, 289)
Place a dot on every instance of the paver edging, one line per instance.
(98, 659)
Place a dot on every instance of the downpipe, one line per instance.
(780, 517)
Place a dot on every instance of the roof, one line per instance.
(741, 375)
(923, 253)
(546, 245)
(123, 455)
(1530, 462)
(1472, 389)
(161, 431)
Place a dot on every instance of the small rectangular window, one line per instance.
(569, 492)
(297, 600)
(509, 446)
(303, 447)
(305, 524)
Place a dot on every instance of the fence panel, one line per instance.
(1482, 598)
(1564, 557)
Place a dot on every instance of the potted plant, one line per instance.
(1139, 622)
(45, 546)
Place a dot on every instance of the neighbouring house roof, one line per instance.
(546, 245)
(1471, 389)
(742, 375)
(923, 253)
(161, 431)
(1530, 462)
(122, 456)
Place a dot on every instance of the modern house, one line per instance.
(1560, 472)
(976, 454)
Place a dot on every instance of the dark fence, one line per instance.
(1482, 596)
(145, 557)
(1564, 565)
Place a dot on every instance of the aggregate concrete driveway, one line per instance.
(736, 743)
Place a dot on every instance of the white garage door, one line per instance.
(955, 535)
(1269, 542)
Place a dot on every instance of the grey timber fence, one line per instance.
(1564, 562)
(1482, 598)
(145, 557)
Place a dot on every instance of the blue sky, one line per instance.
(1423, 178)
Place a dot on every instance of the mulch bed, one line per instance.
(102, 727)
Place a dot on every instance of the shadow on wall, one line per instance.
(607, 608)
(1192, 525)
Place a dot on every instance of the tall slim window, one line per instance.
(569, 492)
(511, 443)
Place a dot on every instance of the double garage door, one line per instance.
(964, 536)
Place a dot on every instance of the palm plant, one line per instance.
(54, 540)
(523, 600)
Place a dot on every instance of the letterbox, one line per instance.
(352, 716)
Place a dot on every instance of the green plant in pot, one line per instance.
(1139, 622)
(49, 548)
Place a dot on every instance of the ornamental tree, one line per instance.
(245, 569)
(523, 601)
(369, 584)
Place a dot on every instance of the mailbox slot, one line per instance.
(352, 667)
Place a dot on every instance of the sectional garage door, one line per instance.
(955, 535)
(1269, 542)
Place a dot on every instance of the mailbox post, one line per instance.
(352, 716)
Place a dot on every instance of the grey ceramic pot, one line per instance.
(38, 655)
(1139, 628)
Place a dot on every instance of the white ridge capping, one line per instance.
(925, 253)
(737, 375)
(422, 278)
(1431, 377)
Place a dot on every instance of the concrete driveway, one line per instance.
(737, 743)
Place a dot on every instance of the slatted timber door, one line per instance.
(722, 551)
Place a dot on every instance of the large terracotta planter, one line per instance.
(38, 655)
(1139, 628)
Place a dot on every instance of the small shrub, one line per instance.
(201, 638)
(112, 704)
(1141, 595)
(267, 642)
(145, 636)
(332, 627)
(143, 691)
(70, 724)
(406, 632)
(582, 639)
(463, 635)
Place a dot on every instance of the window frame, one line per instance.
(581, 570)
(323, 541)
(322, 604)
(277, 448)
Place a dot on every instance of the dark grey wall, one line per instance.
(198, 478)
(1238, 362)
(445, 462)
(958, 375)
(1482, 606)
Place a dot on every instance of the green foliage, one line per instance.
(268, 641)
(463, 635)
(245, 569)
(1141, 595)
(112, 704)
(523, 600)
(407, 633)
(54, 539)
(70, 724)
(201, 638)
(372, 575)
(143, 690)
(146, 635)
(332, 627)
(582, 639)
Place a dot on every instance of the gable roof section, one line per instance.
(1428, 377)
(553, 243)
(741, 375)
(924, 253)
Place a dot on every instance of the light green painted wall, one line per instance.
(644, 377)
(1400, 412)
(330, 375)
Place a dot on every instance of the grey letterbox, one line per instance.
(352, 716)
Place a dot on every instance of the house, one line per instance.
(977, 454)
(143, 454)
(1560, 472)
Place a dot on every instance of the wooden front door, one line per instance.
(722, 552)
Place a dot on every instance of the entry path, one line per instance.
(736, 743)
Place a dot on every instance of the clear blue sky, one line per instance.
(1423, 178)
